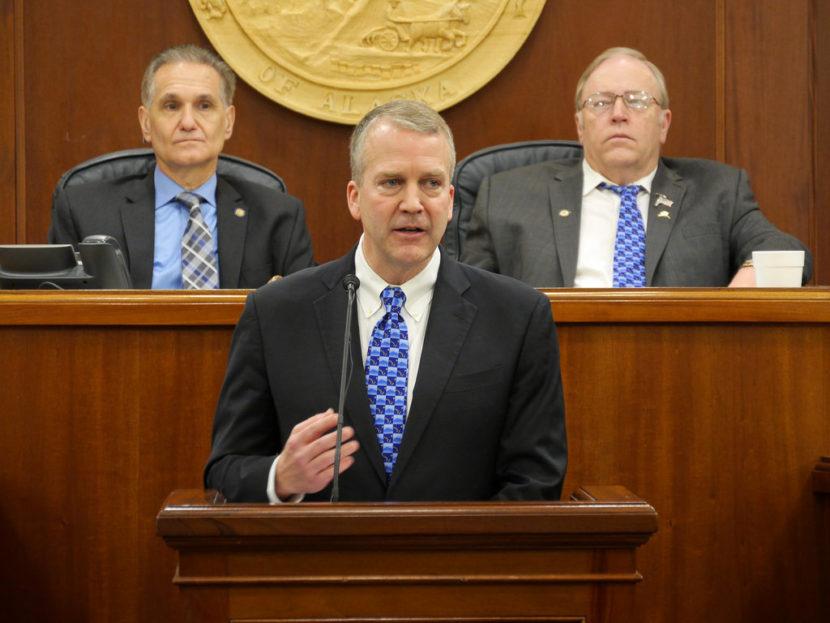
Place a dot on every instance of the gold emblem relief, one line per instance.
(213, 9)
(337, 59)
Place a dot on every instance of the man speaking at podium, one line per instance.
(455, 391)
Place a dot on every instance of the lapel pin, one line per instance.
(240, 212)
(664, 214)
(564, 213)
(662, 200)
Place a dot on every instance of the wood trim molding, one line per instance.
(569, 306)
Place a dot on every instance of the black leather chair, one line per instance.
(474, 168)
(130, 162)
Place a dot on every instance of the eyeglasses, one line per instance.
(633, 100)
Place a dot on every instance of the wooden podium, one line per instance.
(483, 561)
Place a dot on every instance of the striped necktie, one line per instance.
(199, 265)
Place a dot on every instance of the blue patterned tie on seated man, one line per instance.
(456, 391)
(558, 223)
(252, 232)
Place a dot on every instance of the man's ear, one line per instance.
(452, 196)
(578, 121)
(665, 122)
(230, 117)
(353, 199)
(144, 123)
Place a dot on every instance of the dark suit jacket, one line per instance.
(487, 416)
(526, 224)
(262, 232)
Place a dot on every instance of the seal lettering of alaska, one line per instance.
(337, 59)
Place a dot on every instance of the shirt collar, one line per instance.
(591, 179)
(418, 290)
(167, 189)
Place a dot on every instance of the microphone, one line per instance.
(351, 283)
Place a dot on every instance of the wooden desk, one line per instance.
(710, 404)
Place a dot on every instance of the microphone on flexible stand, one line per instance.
(351, 283)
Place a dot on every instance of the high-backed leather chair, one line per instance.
(135, 162)
(474, 168)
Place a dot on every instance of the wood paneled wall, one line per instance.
(7, 123)
(747, 80)
(711, 405)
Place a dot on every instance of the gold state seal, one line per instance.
(337, 59)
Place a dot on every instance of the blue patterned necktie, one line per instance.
(387, 374)
(199, 268)
(630, 245)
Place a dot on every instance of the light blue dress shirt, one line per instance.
(171, 221)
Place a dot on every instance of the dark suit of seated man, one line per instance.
(471, 409)
(238, 235)
(556, 223)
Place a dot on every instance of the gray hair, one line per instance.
(407, 114)
(188, 53)
(663, 95)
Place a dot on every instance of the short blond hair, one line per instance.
(662, 96)
(407, 114)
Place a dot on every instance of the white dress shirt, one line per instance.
(370, 310)
(415, 312)
(598, 227)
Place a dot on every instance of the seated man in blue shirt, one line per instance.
(184, 226)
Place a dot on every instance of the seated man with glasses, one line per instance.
(622, 216)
